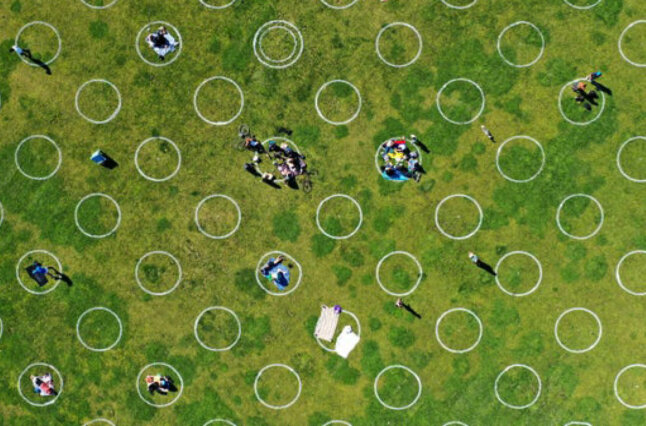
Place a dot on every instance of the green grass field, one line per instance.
(159, 216)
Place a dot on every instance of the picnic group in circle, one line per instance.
(276, 272)
(400, 163)
(160, 384)
(585, 98)
(162, 42)
(43, 385)
(288, 163)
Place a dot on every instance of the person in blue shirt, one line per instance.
(276, 272)
(27, 54)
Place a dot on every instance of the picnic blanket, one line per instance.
(326, 325)
(346, 342)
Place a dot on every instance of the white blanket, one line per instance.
(346, 342)
(326, 325)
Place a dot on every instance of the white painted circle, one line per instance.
(455, 422)
(621, 38)
(101, 195)
(378, 157)
(515, 24)
(577, 237)
(339, 237)
(51, 27)
(290, 258)
(518, 407)
(212, 122)
(458, 351)
(283, 63)
(286, 58)
(458, 237)
(621, 169)
(78, 332)
(578, 423)
(399, 24)
(91, 422)
(60, 388)
(531, 290)
(618, 275)
(452, 6)
(170, 176)
(210, 6)
(38, 293)
(419, 275)
(439, 106)
(356, 320)
(217, 308)
(165, 24)
(327, 120)
(616, 390)
(112, 3)
(580, 123)
(1, 214)
(337, 422)
(402, 367)
(197, 217)
(91, 120)
(228, 422)
(48, 139)
(1, 328)
(170, 367)
(277, 407)
(535, 175)
(345, 6)
(578, 351)
(179, 273)
(590, 6)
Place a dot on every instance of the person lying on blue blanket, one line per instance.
(275, 271)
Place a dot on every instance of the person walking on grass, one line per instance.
(488, 133)
(27, 54)
(480, 264)
(400, 304)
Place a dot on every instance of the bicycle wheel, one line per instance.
(243, 131)
(307, 184)
(238, 144)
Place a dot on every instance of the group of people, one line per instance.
(585, 98)
(275, 271)
(160, 384)
(400, 162)
(162, 42)
(288, 162)
(43, 385)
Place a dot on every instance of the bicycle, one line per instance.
(307, 181)
(243, 133)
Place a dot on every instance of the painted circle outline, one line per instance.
(1, 328)
(621, 37)
(292, 259)
(473, 83)
(48, 139)
(577, 423)
(165, 24)
(282, 60)
(590, 6)
(277, 407)
(616, 390)
(98, 80)
(576, 237)
(518, 407)
(342, 237)
(455, 422)
(210, 6)
(618, 274)
(212, 122)
(100, 420)
(217, 308)
(1, 214)
(399, 24)
(578, 351)
(179, 159)
(420, 275)
(228, 422)
(580, 123)
(48, 25)
(531, 290)
(179, 275)
(337, 422)
(99, 308)
(509, 27)
(377, 157)
(197, 218)
(401, 367)
(49, 366)
(462, 237)
(535, 175)
(38, 293)
(170, 367)
(459, 351)
(100, 8)
(318, 109)
(452, 6)
(356, 319)
(101, 195)
(271, 24)
(352, 3)
(621, 148)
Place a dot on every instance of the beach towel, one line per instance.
(346, 342)
(326, 325)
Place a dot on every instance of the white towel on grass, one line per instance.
(346, 342)
(326, 325)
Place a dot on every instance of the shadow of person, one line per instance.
(422, 146)
(602, 88)
(66, 279)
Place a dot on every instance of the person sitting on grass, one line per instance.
(275, 271)
(162, 42)
(160, 384)
(44, 385)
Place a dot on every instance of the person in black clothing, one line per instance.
(480, 264)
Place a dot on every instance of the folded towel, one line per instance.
(326, 325)
(346, 342)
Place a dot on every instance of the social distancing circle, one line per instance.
(214, 421)
(170, 256)
(620, 151)
(173, 30)
(100, 195)
(165, 178)
(338, 237)
(621, 40)
(288, 258)
(333, 122)
(509, 27)
(94, 120)
(459, 7)
(453, 350)
(402, 407)
(58, 381)
(223, 309)
(213, 6)
(212, 236)
(616, 387)
(532, 177)
(518, 407)
(18, 269)
(457, 80)
(409, 144)
(48, 139)
(106, 421)
(591, 346)
(218, 122)
(280, 63)
(394, 25)
(538, 281)
(48, 25)
(618, 273)
(580, 123)
(344, 6)
(165, 366)
(579, 237)
(585, 7)
(356, 320)
(420, 273)
(458, 237)
(272, 406)
(95, 309)
(105, 6)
